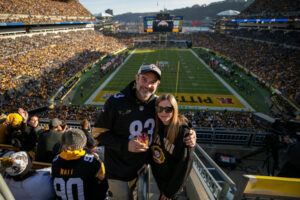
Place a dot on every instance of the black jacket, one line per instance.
(125, 117)
(171, 163)
(49, 144)
(29, 136)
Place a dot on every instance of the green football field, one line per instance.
(183, 70)
(183, 75)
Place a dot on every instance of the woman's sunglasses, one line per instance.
(159, 109)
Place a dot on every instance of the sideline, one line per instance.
(225, 84)
(89, 101)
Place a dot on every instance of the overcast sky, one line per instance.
(124, 6)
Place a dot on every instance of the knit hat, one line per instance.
(74, 139)
(55, 123)
(14, 119)
(21, 164)
(2, 117)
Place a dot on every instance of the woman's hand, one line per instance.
(191, 139)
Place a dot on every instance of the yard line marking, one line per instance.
(89, 101)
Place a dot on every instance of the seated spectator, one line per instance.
(49, 142)
(10, 126)
(27, 138)
(91, 143)
(83, 170)
(4, 134)
(22, 180)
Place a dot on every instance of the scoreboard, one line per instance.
(163, 23)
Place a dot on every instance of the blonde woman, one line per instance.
(171, 158)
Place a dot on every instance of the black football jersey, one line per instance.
(124, 118)
(79, 178)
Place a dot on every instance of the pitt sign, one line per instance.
(189, 100)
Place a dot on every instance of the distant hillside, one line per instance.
(195, 12)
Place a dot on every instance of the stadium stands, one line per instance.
(34, 68)
(43, 11)
(234, 120)
(276, 36)
(275, 64)
(272, 8)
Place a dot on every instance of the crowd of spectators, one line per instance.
(34, 68)
(222, 119)
(272, 8)
(29, 77)
(43, 11)
(275, 64)
(278, 36)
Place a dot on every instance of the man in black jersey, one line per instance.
(77, 174)
(126, 116)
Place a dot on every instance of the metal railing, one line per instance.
(230, 136)
(143, 185)
(214, 188)
(209, 135)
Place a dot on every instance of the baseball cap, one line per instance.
(55, 123)
(74, 139)
(150, 68)
(21, 163)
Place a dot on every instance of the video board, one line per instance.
(158, 24)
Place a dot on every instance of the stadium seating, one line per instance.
(34, 68)
(272, 8)
(43, 11)
(275, 64)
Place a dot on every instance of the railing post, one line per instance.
(4, 190)
(224, 191)
(143, 185)
(213, 136)
(253, 134)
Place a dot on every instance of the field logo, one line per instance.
(225, 100)
(183, 99)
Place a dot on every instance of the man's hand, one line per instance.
(135, 145)
(287, 140)
(191, 139)
(24, 114)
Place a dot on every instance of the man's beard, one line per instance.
(144, 93)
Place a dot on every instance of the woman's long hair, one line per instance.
(176, 120)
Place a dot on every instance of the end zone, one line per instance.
(190, 101)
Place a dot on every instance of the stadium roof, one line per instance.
(228, 12)
(105, 15)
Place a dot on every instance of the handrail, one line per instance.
(208, 181)
(5, 192)
(213, 164)
(271, 187)
(212, 187)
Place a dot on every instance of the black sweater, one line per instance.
(171, 163)
(125, 117)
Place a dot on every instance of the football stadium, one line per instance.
(83, 109)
